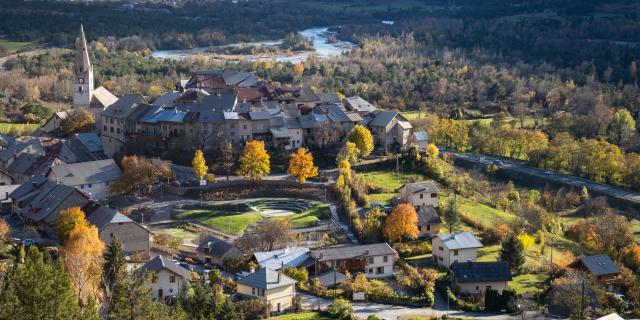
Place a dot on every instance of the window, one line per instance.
(80, 88)
(440, 258)
(380, 270)
(111, 120)
(421, 196)
(477, 288)
(455, 252)
(105, 128)
(419, 228)
(206, 250)
(118, 130)
(370, 260)
(111, 129)
(111, 235)
(434, 195)
(253, 291)
(370, 271)
(428, 227)
(244, 127)
(441, 248)
(172, 279)
(82, 186)
(385, 258)
(89, 185)
(80, 80)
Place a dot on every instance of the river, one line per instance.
(319, 36)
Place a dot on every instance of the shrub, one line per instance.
(254, 309)
(341, 309)
(301, 275)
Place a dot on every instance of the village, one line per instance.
(375, 234)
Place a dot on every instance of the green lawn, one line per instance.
(486, 214)
(309, 217)
(20, 128)
(235, 217)
(13, 46)
(390, 181)
(309, 315)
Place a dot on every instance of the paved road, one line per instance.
(568, 180)
(364, 309)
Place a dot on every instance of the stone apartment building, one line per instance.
(214, 107)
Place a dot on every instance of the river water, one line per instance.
(319, 36)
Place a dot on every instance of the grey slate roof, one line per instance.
(75, 174)
(421, 187)
(600, 265)
(428, 215)
(304, 94)
(481, 271)
(124, 106)
(217, 247)
(161, 262)
(353, 251)
(90, 141)
(383, 118)
(266, 278)
(101, 216)
(167, 99)
(288, 257)
(280, 132)
(462, 240)
(358, 104)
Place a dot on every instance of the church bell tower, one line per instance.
(82, 74)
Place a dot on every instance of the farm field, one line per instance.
(13, 46)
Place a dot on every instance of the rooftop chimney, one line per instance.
(252, 269)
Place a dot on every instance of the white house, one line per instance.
(476, 277)
(374, 260)
(166, 277)
(448, 249)
(92, 177)
(420, 194)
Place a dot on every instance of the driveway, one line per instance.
(365, 309)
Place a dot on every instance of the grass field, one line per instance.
(309, 315)
(13, 46)
(20, 128)
(234, 218)
(390, 181)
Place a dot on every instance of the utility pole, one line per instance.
(582, 301)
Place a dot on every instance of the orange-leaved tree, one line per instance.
(255, 161)
(82, 254)
(301, 165)
(401, 223)
(141, 174)
(67, 221)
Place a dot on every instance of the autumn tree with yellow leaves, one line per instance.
(199, 164)
(298, 68)
(401, 223)
(255, 162)
(79, 120)
(301, 165)
(363, 139)
(68, 220)
(82, 254)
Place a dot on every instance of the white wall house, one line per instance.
(420, 193)
(274, 287)
(476, 277)
(92, 177)
(165, 277)
(448, 249)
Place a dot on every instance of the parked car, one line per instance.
(28, 241)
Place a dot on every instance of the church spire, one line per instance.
(82, 63)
